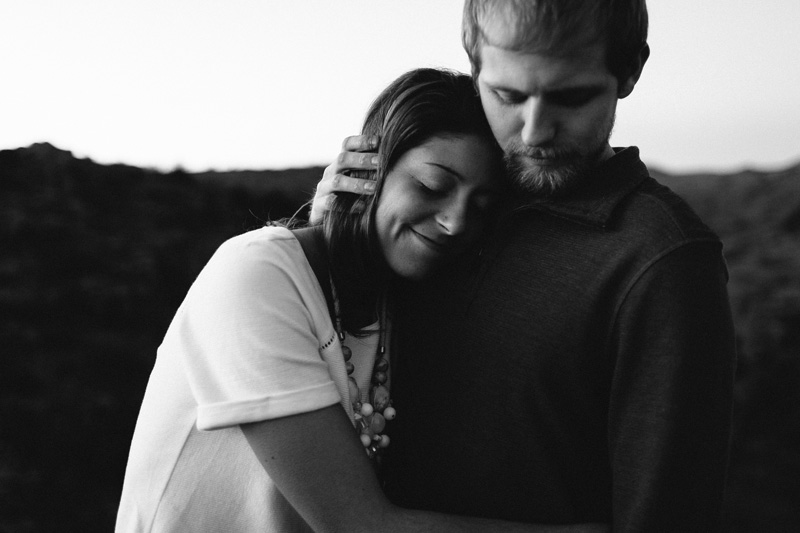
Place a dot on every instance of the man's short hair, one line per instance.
(556, 26)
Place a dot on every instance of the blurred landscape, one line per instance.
(95, 259)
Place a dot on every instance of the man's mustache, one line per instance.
(517, 149)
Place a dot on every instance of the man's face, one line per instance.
(552, 114)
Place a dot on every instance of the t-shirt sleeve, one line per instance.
(247, 337)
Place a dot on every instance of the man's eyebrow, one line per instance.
(569, 90)
(500, 87)
(588, 90)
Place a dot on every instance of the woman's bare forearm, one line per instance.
(320, 466)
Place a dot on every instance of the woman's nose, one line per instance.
(453, 219)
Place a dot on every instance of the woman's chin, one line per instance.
(417, 271)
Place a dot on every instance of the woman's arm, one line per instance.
(321, 468)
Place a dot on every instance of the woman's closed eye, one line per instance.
(432, 186)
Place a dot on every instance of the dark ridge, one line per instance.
(95, 259)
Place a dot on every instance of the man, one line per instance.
(581, 369)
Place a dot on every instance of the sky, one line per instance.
(257, 84)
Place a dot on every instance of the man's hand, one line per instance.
(359, 152)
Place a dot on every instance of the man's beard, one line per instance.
(569, 169)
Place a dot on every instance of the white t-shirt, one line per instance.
(252, 341)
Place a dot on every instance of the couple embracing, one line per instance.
(495, 321)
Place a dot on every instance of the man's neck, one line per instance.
(607, 153)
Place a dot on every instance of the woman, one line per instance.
(248, 419)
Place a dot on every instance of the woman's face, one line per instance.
(434, 203)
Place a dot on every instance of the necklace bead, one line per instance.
(369, 417)
(366, 409)
(377, 423)
(379, 396)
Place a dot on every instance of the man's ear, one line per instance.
(626, 87)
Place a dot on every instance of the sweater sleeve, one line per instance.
(672, 394)
(248, 334)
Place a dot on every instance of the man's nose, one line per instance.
(539, 126)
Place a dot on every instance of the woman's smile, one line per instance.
(440, 246)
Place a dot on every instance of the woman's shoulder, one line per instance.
(276, 235)
(268, 251)
(266, 241)
(254, 265)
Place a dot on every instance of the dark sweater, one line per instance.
(580, 370)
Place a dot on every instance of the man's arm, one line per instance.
(672, 395)
(321, 468)
(357, 153)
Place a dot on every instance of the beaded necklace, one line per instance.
(371, 416)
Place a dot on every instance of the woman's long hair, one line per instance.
(417, 106)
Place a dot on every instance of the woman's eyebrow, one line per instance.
(446, 169)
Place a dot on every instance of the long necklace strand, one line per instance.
(371, 416)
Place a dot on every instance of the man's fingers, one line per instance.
(356, 161)
(342, 183)
(358, 154)
(322, 204)
(337, 183)
(319, 207)
(360, 143)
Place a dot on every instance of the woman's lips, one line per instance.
(442, 246)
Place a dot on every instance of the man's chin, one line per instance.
(545, 181)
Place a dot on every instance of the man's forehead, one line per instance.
(503, 27)
(499, 27)
(534, 72)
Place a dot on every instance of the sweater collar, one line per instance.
(594, 203)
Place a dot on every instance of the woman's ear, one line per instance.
(626, 86)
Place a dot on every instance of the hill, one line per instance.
(96, 258)
(757, 215)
